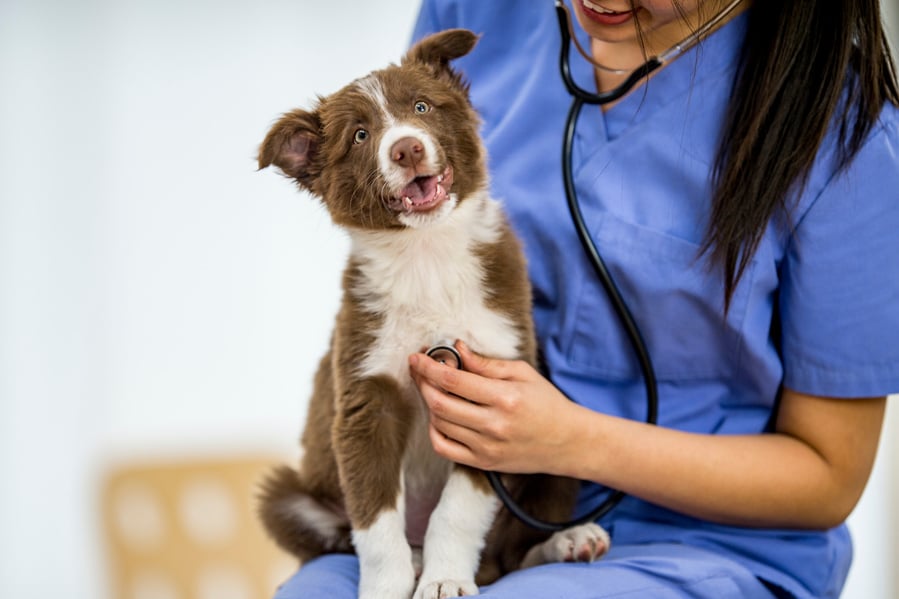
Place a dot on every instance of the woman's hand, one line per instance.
(504, 416)
(496, 415)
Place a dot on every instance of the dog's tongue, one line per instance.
(421, 190)
(423, 193)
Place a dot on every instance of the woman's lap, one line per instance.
(660, 571)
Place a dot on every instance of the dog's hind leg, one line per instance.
(512, 544)
(582, 543)
(370, 435)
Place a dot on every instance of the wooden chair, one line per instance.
(188, 530)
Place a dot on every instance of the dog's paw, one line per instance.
(441, 589)
(583, 543)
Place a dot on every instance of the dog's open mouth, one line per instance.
(423, 193)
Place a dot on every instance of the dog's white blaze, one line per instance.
(396, 176)
(370, 85)
(457, 531)
(385, 558)
(428, 284)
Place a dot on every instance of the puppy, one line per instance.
(396, 159)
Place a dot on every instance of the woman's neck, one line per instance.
(621, 57)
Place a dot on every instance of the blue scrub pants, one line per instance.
(659, 571)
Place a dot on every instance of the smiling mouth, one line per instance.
(600, 9)
(605, 15)
(423, 193)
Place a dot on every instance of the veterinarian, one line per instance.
(746, 199)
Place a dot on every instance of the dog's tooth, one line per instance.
(407, 201)
(440, 178)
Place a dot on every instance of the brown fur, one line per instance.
(510, 291)
(359, 428)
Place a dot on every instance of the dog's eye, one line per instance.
(360, 136)
(422, 107)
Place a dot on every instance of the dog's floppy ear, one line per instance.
(438, 49)
(293, 145)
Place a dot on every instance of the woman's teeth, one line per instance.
(599, 9)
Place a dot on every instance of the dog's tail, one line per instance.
(300, 522)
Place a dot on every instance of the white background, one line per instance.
(158, 296)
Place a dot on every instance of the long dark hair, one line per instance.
(799, 59)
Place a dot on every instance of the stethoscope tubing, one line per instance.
(580, 96)
(624, 314)
(579, 93)
(628, 323)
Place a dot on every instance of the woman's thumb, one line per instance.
(482, 365)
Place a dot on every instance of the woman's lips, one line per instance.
(604, 16)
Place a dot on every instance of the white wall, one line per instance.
(157, 295)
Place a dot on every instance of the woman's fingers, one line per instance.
(469, 385)
(450, 448)
(463, 445)
(451, 408)
(486, 415)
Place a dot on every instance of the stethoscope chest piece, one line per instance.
(445, 354)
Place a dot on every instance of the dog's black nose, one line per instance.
(407, 152)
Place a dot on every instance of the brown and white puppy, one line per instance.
(396, 158)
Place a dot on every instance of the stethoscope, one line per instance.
(580, 96)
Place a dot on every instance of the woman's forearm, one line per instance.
(782, 479)
(503, 416)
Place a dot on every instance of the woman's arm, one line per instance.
(810, 473)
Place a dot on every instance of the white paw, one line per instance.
(583, 543)
(441, 589)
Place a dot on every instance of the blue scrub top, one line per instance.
(642, 172)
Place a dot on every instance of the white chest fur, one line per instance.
(427, 284)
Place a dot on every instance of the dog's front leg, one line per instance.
(456, 535)
(370, 435)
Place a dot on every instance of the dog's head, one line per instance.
(397, 148)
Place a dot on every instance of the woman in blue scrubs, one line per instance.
(746, 199)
